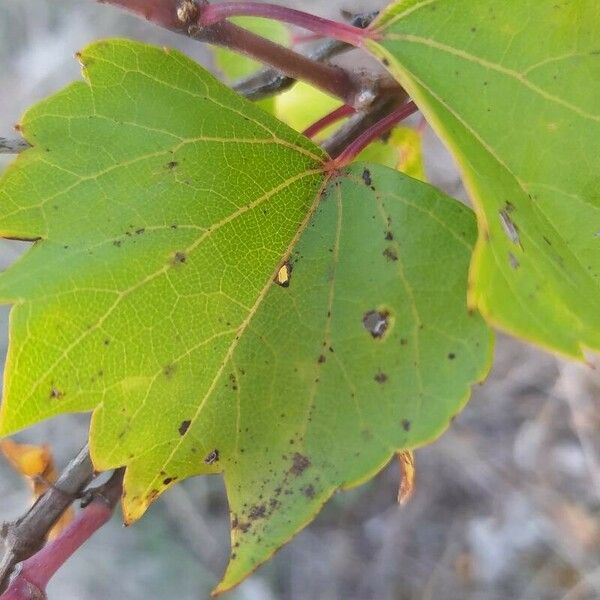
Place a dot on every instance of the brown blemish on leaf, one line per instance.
(168, 480)
(510, 229)
(258, 511)
(185, 425)
(179, 258)
(406, 424)
(172, 164)
(169, 371)
(309, 491)
(299, 464)
(233, 382)
(56, 394)
(376, 322)
(212, 457)
(390, 254)
(389, 236)
(284, 275)
(321, 359)
(381, 377)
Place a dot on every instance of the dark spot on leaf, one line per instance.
(172, 164)
(403, 341)
(258, 511)
(140, 231)
(390, 254)
(56, 394)
(167, 480)
(117, 243)
(299, 464)
(451, 356)
(185, 425)
(376, 322)
(386, 62)
(169, 371)
(309, 491)
(381, 377)
(179, 258)
(212, 457)
(366, 177)
(233, 382)
(389, 236)
(107, 342)
(406, 424)
(321, 359)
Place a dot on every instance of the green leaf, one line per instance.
(368, 351)
(222, 302)
(514, 90)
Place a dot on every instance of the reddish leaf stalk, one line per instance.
(329, 119)
(333, 80)
(371, 134)
(32, 579)
(184, 16)
(213, 13)
(160, 12)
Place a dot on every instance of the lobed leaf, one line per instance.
(513, 87)
(223, 302)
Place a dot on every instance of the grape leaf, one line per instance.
(514, 90)
(223, 302)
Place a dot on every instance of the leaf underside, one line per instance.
(514, 90)
(221, 302)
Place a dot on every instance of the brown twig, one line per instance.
(24, 537)
(12, 146)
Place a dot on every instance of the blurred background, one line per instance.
(507, 502)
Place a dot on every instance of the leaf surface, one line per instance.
(514, 90)
(222, 302)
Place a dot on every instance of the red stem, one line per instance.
(161, 12)
(371, 134)
(333, 117)
(213, 13)
(331, 79)
(35, 573)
